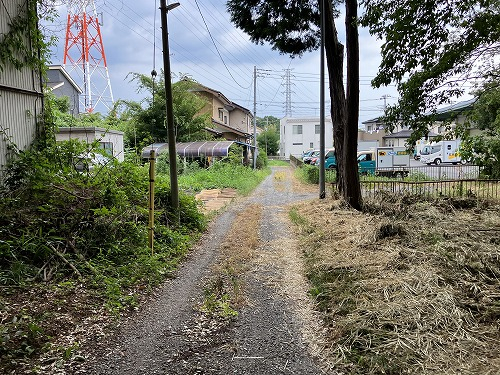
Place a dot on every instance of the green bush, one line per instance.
(309, 173)
(57, 219)
(261, 161)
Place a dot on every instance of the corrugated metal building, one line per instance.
(20, 95)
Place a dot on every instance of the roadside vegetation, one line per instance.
(74, 246)
(409, 285)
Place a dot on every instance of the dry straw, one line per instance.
(407, 286)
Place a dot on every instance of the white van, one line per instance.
(441, 152)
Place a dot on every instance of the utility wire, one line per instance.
(215, 45)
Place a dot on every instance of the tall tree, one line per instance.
(432, 50)
(148, 117)
(269, 140)
(292, 27)
(268, 122)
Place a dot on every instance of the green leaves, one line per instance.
(484, 149)
(148, 117)
(431, 49)
(290, 27)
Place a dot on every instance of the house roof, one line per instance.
(446, 113)
(225, 128)
(406, 134)
(229, 103)
(442, 114)
(374, 120)
(87, 130)
(55, 85)
(200, 87)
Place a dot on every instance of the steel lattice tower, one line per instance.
(288, 93)
(84, 55)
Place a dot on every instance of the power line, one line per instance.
(215, 45)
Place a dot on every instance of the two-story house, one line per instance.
(229, 120)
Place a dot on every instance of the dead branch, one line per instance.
(60, 255)
(69, 192)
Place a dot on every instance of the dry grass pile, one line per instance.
(407, 286)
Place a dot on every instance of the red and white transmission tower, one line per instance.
(84, 55)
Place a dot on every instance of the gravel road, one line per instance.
(273, 330)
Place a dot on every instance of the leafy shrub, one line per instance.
(261, 161)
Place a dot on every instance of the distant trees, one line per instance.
(268, 122)
(269, 142)
(484, 149)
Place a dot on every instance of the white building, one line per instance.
(109, 140)
(300, 134)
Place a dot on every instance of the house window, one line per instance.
(311, 145)
(316, 129)
(225, 119)
(298, 144)
(297, 129)
(107, 147)
(221, 114)
(369, 128)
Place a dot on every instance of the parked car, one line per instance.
(330, 159)
(89, 160)
(307, 159)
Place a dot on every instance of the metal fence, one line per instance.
(432, 181)
(429, 181)
(473, 188)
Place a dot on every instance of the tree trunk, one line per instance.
(345, 110)
(334, 51)
(352, 189)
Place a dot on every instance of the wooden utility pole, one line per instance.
(172, 152)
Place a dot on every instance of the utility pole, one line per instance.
(254, 117)
(172, 152)
(322, 189)
(385, 100)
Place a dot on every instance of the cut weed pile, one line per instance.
(407, 286)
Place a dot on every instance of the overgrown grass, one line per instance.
(278, 163)
(309, 174)
(223, 175)
(408, 286)
(82, 238)
(58, 225)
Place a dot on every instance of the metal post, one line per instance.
(172, 153)
(254, 117)
(322, 193)
(151, 227)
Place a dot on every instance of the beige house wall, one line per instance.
(374, 136)
(241, 120)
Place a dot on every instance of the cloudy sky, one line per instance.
(205, 46)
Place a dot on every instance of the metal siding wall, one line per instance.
(18, 111)
(18, 119)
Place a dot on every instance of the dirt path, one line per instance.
(270, 335)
